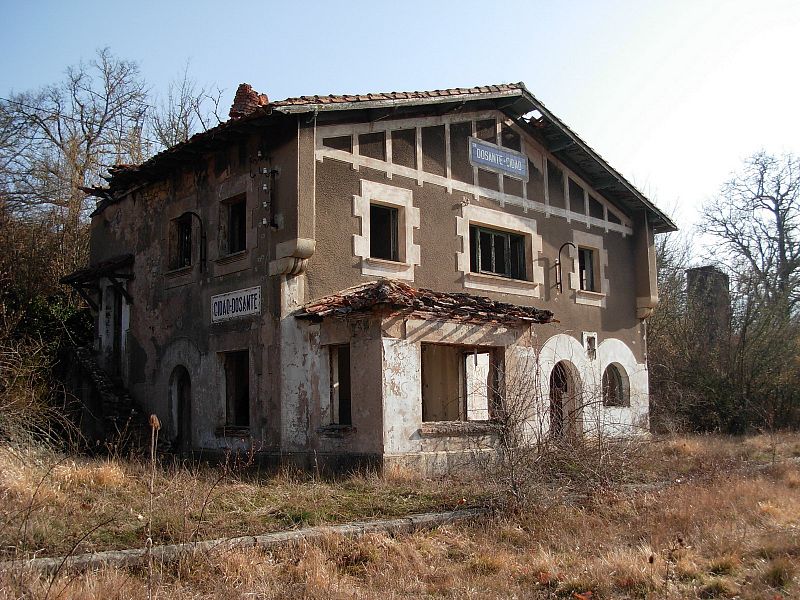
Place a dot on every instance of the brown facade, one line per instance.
(297, 200)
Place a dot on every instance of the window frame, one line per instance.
(394, 231)
(583, 241)
(181, 236)
(235, 417)
(463, 354)
(498, 220)
(587, 269)
(510, 240)
(228, 218)
(622, 385)
(408, 253)
(335, 416)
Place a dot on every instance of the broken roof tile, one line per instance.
(401, 298)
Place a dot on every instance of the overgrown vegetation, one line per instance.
(742, 374)
(53, 142)
(715, 527)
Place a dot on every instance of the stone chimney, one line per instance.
(709, 304)
(246, 101)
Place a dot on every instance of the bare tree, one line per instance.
(64, 136)
(756, 218)
(187, 109)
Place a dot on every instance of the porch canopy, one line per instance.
(398, 298)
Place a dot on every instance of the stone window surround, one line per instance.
(582, 239)
(495, 219)
(407, 220)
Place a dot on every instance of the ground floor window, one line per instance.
(340, 409)
(615, 388)
(237, 388)
(458, 383)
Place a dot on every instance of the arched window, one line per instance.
(615, 387)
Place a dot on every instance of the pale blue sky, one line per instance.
(673, 94)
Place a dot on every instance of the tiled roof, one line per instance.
(390, 96)
(400, 298)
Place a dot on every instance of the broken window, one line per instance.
(180, 238)
(457, 383)
(383, 232)
(237, 388)
(587, 270)
(233, 225)
(590, 342)
(615, 391)
(340, 409)
(497, 252)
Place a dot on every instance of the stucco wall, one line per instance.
(335, 265)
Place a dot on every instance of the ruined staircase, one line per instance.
(125, 425)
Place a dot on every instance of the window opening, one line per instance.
(586, 269)
(237, 388)
(497, 252)
(457, 383)
(383, 232)
(591, 347)
(614, 393)
(181, 242)
(341, 412)
(559, 393)
(237, 225)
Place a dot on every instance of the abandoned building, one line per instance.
(374, 277)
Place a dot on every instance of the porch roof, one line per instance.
(396, 297)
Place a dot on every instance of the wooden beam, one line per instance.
(120, 288)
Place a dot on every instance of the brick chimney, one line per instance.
(246, 101)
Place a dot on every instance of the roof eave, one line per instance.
(662, 223)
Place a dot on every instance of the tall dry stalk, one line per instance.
(155, 425)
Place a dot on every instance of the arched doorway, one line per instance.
(181, 392)
(565, 409)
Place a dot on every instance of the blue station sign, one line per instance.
(498, 159)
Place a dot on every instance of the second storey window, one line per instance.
(233, 225)
(383, 232)
(586, 270)
(181, 242)
(497, 252)
(238, 230)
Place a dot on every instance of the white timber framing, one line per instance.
(356, 160)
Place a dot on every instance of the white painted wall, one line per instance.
(596, 418)
(402, 396)
(298, 363)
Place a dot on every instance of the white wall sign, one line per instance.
(233, 305)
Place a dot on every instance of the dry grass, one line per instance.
(48, 502)
(715, 533)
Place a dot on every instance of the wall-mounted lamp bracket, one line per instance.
(559, 275)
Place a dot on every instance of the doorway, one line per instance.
(181, 390)
(565, 409)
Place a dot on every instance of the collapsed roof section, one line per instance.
(512, 99)
(395, 297)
